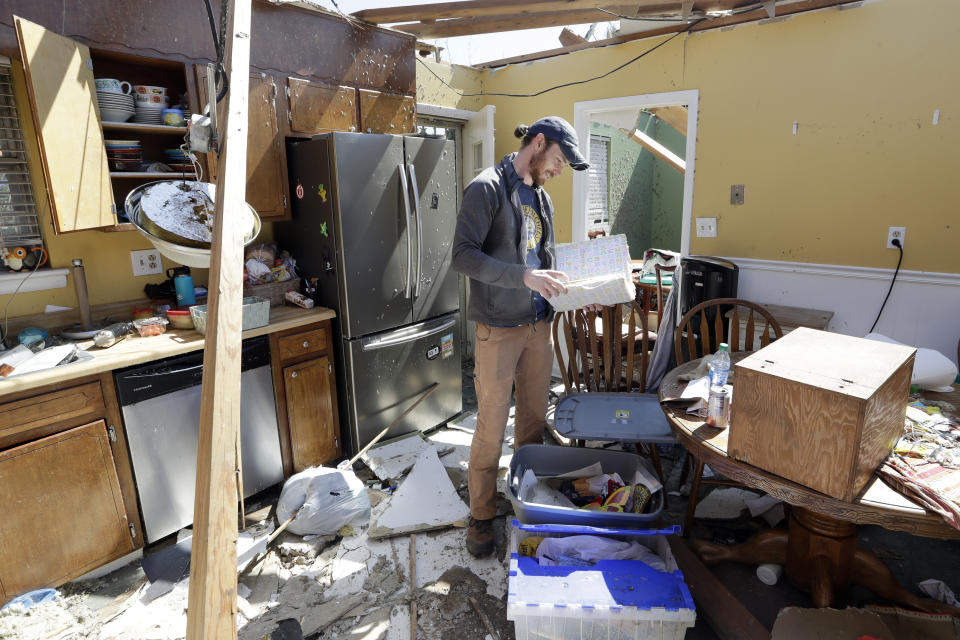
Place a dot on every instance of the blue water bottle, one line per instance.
(184, 286)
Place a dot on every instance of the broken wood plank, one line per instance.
(510, 21)
(413, 586)
(714, 23)
(724, 613)
(676, 117)
(212, 609)
(568, 37)
(484, 8)
(656, 149)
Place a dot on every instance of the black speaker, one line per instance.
(707, 278)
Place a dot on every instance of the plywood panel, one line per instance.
(47, 539)
(386, 113)
(61, 89)
(315, 107)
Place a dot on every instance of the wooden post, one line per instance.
(212, 610)
(656, 149)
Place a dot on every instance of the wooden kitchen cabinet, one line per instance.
(66, 488)
(85, 192)
(387, 113)
(306, 390)
(310, 412)
(318, 108)
(266, 159)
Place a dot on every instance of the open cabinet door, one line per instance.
(478, 143)
(61, 91)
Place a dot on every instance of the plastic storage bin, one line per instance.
(614, 599)
(548, 460)
(256, 313)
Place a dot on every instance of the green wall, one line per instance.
(645, 194)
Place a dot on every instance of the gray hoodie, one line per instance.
(490, 247)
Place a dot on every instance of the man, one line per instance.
(504, 243)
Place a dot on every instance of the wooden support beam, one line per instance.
(212, 610)
(484, 8)
(676, 117)
(510, 21)
(568, 37)
(657, 149)
(716, 23)
(723, 612)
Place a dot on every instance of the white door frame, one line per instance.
(581, 122)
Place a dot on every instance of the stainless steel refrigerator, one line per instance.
(373, 218)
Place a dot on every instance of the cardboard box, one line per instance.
(821, 409)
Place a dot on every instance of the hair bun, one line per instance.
(520, 131)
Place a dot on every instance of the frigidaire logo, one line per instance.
(143, 388)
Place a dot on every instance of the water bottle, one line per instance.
(183, 283)
(720, 366)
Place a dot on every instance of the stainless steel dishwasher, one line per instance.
(160, 402)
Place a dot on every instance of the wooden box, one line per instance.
(821, 409)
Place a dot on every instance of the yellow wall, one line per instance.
(431, 77)
(862, 84)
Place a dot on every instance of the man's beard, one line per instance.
(537, 169)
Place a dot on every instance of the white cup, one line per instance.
(112, 85)
(769, 573)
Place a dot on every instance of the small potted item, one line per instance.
(151, 326)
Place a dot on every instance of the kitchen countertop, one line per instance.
(136, 350)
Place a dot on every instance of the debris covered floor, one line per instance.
(355, 587)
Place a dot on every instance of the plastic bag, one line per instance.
(588, 550)
(931, 369)
(329, 498)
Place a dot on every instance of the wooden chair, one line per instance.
(701, 330)
(608, 351)
(661, 298)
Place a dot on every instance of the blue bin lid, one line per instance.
(615, 417)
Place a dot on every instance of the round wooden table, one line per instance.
(819, 547)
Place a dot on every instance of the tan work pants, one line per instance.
(504, 356)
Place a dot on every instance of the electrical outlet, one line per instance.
(146, 262)
(896, 233)
(706, 227)
(736, 193)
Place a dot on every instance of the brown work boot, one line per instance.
(480, 537)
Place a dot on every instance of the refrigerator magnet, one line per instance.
(299, 191)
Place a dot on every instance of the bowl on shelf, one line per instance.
(115, 115)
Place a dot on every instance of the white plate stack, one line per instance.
(115, 107)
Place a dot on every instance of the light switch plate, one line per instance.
(146, 262)
(706, 227)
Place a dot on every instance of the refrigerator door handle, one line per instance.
(425, 330)
(406, 210)
(416, 205)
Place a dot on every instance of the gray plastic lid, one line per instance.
(613, 417)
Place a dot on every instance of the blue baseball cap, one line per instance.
(559, 130)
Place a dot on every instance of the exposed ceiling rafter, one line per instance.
(784, 9)
(501, 8)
